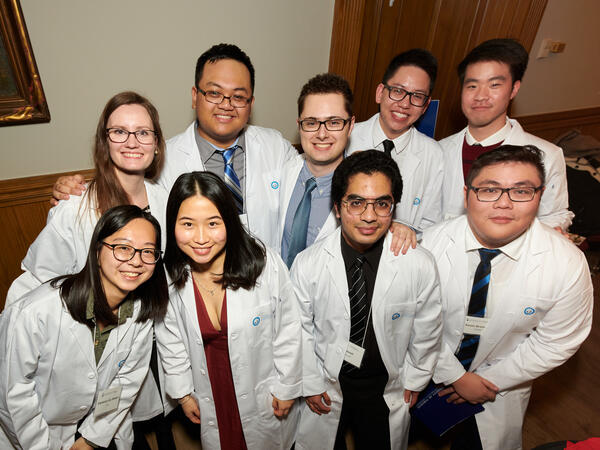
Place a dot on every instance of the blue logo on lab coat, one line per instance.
(395, 316)
(416, 201)
(529, 311)
(121, 363)
(255, 321)
(274, 184)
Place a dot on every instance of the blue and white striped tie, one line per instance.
(231, 179)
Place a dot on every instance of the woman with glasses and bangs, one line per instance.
(230, 344)
(74, 352)
(128, 154)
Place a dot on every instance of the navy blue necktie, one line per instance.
(300, 223)
(231, 179)
(477, 302)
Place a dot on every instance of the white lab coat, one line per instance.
(62, 247)
(264, 351)
(406, 314)
(291, 171)
(554, 207)
(266, 152)
(421, 170)
(546, 314)
(49, 379)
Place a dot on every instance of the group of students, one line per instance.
(286, 293)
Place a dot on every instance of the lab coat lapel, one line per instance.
(85, 342)
(117, 334)
(386, 274)
(457, 274)
(190, 154)
(337, 269)
(189, 301)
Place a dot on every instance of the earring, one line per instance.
(156, 152)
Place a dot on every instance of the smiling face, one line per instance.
(495, 224)
(364, 230)
(324, 149)
(397, 117)
(221, 124)
(200, 233)
(486, 92)
(119, 278)
(131, 157)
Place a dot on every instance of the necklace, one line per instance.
(210, 291)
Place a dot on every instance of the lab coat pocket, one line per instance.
(530, 312)
(260, 323)
(121, 358)
(399, 318)
(264, 398)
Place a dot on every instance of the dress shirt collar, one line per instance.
(400, 143)
(498, 136)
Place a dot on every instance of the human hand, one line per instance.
(471, 388)
(403, 238)
(190, 408)
(65, 186)
(410, 397)
(319, 404)
(80, 444)
(281, 408)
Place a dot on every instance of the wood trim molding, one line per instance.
(556, 123)
(22, 191)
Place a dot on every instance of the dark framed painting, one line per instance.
(22, 98)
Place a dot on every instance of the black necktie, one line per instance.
(477, 302)
(359, 310)
(388, 146)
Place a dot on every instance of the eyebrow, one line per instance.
(477, 80)
(217, 85)
(194, 220)
(359, 197)
(526, 183)
(130, 242)
(323, 118)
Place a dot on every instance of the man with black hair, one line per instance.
(403, 97)
(371, 320)
(491, 76)
(517, 297)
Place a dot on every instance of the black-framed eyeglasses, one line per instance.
(124, 253)
(516, 194)
(357, 206)
(216, 97)
(119, 135)
(311, 125)
(398, 94)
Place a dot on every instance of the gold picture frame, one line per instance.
(22, 98)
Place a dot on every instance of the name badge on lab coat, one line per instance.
(108, 401)
(475, 325)
(354, 354)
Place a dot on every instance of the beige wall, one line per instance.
(87, 51)
(569, 80)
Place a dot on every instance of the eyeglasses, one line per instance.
(516, 194)
(216, 97)
(357, 206)
(330, 124)
(124, 253)
(119, 135)
(397, 94)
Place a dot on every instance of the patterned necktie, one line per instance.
(300, 223)
(359, 311)
(388, 146)
(231, 179)
(477, 302)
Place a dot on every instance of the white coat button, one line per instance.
(91, 375)
(206, 399)
(198, 341)
(234, 336)
(339, 350)
(346, 316)
(210, 422)
(83, 408)
(244, 396)
(332, 380)
(203, 372)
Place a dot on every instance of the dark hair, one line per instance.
(327, 83)
(223, 51)
(416, 57)
(106, 189)
(244, 255)
(528, 154)
(367, 162)
(75, 289)
(507, 51)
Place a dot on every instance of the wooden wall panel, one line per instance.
(551, 125)
(24, 205)
(448, 28)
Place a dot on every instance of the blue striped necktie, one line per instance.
(300, 222)
(477, 302)
(231, 179)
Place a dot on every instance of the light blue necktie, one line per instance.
(300, 223)
(231, 179)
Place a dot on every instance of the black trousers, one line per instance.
(365, 414)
